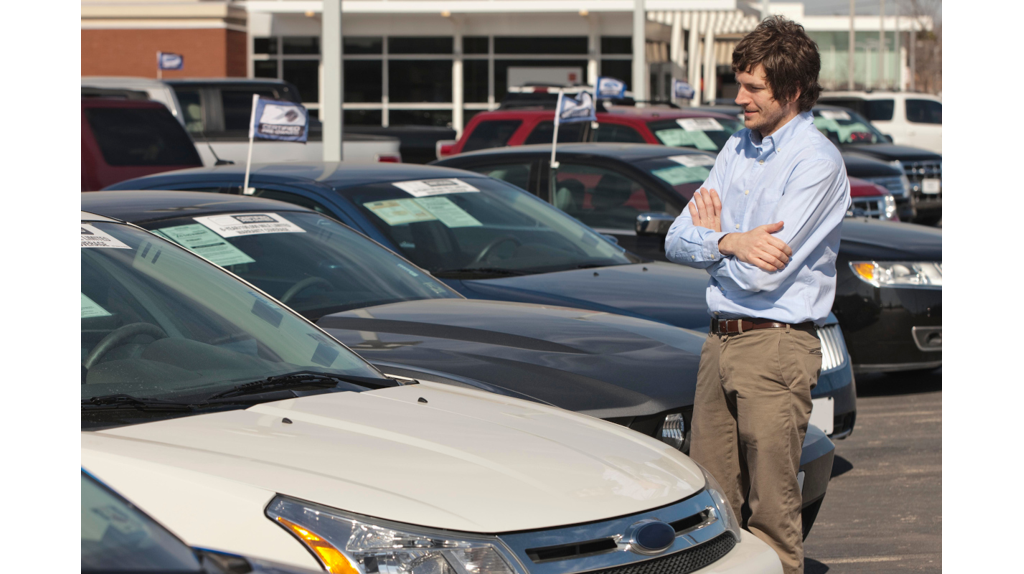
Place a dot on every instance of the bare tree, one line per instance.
(927, 48)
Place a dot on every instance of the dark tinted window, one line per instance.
(301, 45)
(474, 73)
(491, 134)
(879, 110)
(854, 104)
(363, 117)
(440, 118)
(237, 106)
(540, 45)
(420, 80)
(601, 197)
(292, 198)
(518, 174)
(619, 69)
(924, 111)
(617, 133)
(265, 68)
(544, 132)
(264, 45)
(362, 45)
(474, 45)
(616, 45)
(191, 109)
(305, 74)
(364, 80)
(420, 45)
(149, 136)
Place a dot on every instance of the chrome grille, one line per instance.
(833, 348)
(868, 207)
(893, 184)
(919, 170)
(681, 562)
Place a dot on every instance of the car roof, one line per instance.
(330, 174)
(122, 82)
(624, 151)
(140, 206)
(121, 103)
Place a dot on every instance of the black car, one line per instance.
(889, 275)
(462, 228)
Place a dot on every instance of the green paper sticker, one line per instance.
(679, 137)
(399, 211)
(92, 309)
(203, 241)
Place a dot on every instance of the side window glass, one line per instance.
(924, 112)
(295, 199)
(237, 105)
(616, 133)
(518, 174)
(491, 134)
(191, 109)
(879, 110)
(545, 131)
(601, 198)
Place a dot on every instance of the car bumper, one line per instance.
(749, 556)
(890, 329)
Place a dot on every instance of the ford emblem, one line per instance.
(651, 536)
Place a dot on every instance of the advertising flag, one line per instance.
(681, 89)
(170, 61)
(274, 120)
(580, 109)
(610, 88)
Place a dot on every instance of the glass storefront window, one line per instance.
(363, 117)
(420, 80)
(441, 118)
(474, 76)
(265, 45)
(474, 44)
(420, 44)
(617, 45)
(362, 45)
(364, 81)
(301, 45)
(305, 74)
(265, 68)
(540, 45)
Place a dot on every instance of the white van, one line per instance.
(911, 119)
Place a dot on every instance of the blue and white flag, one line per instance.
(681, 89)
(274, 120)
(576, 110)
(169, 61)
(610, 88)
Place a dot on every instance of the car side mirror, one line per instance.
(654, 223)
(887, 137)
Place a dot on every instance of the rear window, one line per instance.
(879, 110)
(924, 112)
(606, 132)
(490, 134)
(238, 107)
(141, 136)
(567, 133)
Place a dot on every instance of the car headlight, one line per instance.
(897, 164)
(722, 505)
(673, 430)
(890, 207)
(899, 273)
(350, 544)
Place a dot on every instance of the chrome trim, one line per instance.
(833, 348)
(922, 333)
(616, 528)
(653, 223)
(893, 183)
(888, 367)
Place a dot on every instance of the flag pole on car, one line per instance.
(274, 120)
(570, 110)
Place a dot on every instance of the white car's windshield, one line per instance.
(481, 226)
(161, 323)
(314, 265)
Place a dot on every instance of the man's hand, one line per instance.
(706, 209)
(758, 247)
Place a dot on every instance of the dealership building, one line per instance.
(438, 62)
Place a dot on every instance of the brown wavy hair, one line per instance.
(789, 56)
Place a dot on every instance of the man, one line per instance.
(765, 225)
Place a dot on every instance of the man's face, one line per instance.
(761, 111)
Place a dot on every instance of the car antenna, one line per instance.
(219, 161)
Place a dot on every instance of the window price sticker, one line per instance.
(428, 187)
(694, 160)
(241, 224)
(94, 238)
(700, 124)
(834, 115)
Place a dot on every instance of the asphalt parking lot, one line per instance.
(883, 510)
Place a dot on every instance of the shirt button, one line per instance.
(761, 162)
(716, 312)
(693, 257)
(746, 192)
(737, 226)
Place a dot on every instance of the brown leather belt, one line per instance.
(736, 326)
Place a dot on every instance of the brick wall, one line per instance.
(209, 53)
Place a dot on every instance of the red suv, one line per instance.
(124, 139)
(698, 129)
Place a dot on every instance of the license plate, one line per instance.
(931, 185)
(822, 411)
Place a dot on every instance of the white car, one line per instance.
(911, 119)
(241, 426)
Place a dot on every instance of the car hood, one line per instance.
(602, 364)
(663, 292)
(426, 454)
(889, 241)
(889, 152)
(860, 165)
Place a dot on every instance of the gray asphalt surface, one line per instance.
(883, 509)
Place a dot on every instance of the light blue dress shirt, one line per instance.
(795, 176)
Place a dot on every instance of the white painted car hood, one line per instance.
(464, 460)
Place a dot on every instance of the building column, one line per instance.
(331, 60)
(709, 64)
(693, 66)
(639, 83)
(457, 80)
(593, 49)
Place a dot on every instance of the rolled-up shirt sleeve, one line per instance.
(690, 244)
(815, 201)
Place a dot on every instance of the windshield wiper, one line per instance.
(302, 379)
(487, 270)
(122, 400)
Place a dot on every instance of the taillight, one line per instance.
(445, 148)
(389, 159)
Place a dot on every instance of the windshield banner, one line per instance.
(610, 88)
(576, 110)
(682, 90)
(274, 120)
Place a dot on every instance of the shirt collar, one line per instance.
(785, 134)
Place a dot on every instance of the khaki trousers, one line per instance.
(750, 415)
